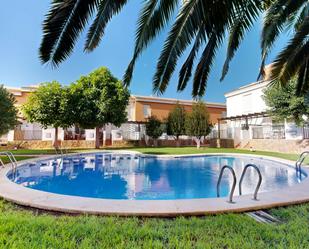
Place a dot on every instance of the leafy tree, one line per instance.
(283, 103)
(175, 124)
(98, 99)
(48, 106)
(154, 128)
(197, 122)
(8, 117)
(202, 24)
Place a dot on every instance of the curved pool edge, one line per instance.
(18, 194)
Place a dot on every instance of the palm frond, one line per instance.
(186, 69)
(303, 79)
(106, 10)
(292, 57)
(64, 22)
(154, 16)
(243, 22)
(203, 68)
(275, 20)
(302, 15)
(179, 37)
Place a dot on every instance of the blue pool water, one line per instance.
(120, 176)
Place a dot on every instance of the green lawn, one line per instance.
(22, 228)
(37, 152)
(18, 158)
(165, 151)
(194, 150)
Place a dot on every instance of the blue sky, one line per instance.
(20, 27)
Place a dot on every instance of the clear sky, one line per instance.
(20, 27)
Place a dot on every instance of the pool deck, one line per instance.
(298, 193)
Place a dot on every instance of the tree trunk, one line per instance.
(97, 137)
(155, 142)
(56, 144)
(198, 143)
(104, 135)
(177, 142)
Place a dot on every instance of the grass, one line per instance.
(165, 151)
(18, 158)
(37, 151)
(194, 150)
(23, 228)
(27, 229)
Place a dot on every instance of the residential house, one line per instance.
(139, 109)
(247, 120)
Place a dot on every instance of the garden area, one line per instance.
(22, 227)
(106, 200)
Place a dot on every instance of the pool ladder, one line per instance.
(61, 151)
(230, 199)
(300, 160)
(11, 157)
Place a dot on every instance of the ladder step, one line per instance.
(263, 217)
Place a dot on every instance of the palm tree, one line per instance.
(293, 60)
(201, 24)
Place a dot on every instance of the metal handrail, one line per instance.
(300, 160)
(11, 157)
(258, 184)
(60, 151)
(234, 182)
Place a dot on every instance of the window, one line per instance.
(147, 111)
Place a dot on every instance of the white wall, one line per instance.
(49, 134)
(90, 134)
(292, 131)
(10, 136)
(246, 100)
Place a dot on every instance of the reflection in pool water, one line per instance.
(119, 176)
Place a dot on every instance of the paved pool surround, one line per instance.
(296, 194)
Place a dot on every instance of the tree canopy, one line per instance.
(283, 103)
(197, 122)
(154, 128)
(98, 99)
(293, 60)
(48, 106)
(175, 125)
(8, 116)
(202, 24)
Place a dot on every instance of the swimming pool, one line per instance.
(131, 184)
(136, 177)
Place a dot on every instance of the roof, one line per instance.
(247, 88)
(22, 89)
(254, 85)
(152, 99)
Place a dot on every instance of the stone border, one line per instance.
(11, 191)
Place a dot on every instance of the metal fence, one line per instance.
(268, 132)
(27, 135)
(306, 132)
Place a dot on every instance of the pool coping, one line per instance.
(296, 194)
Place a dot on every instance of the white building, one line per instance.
(247, 118)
